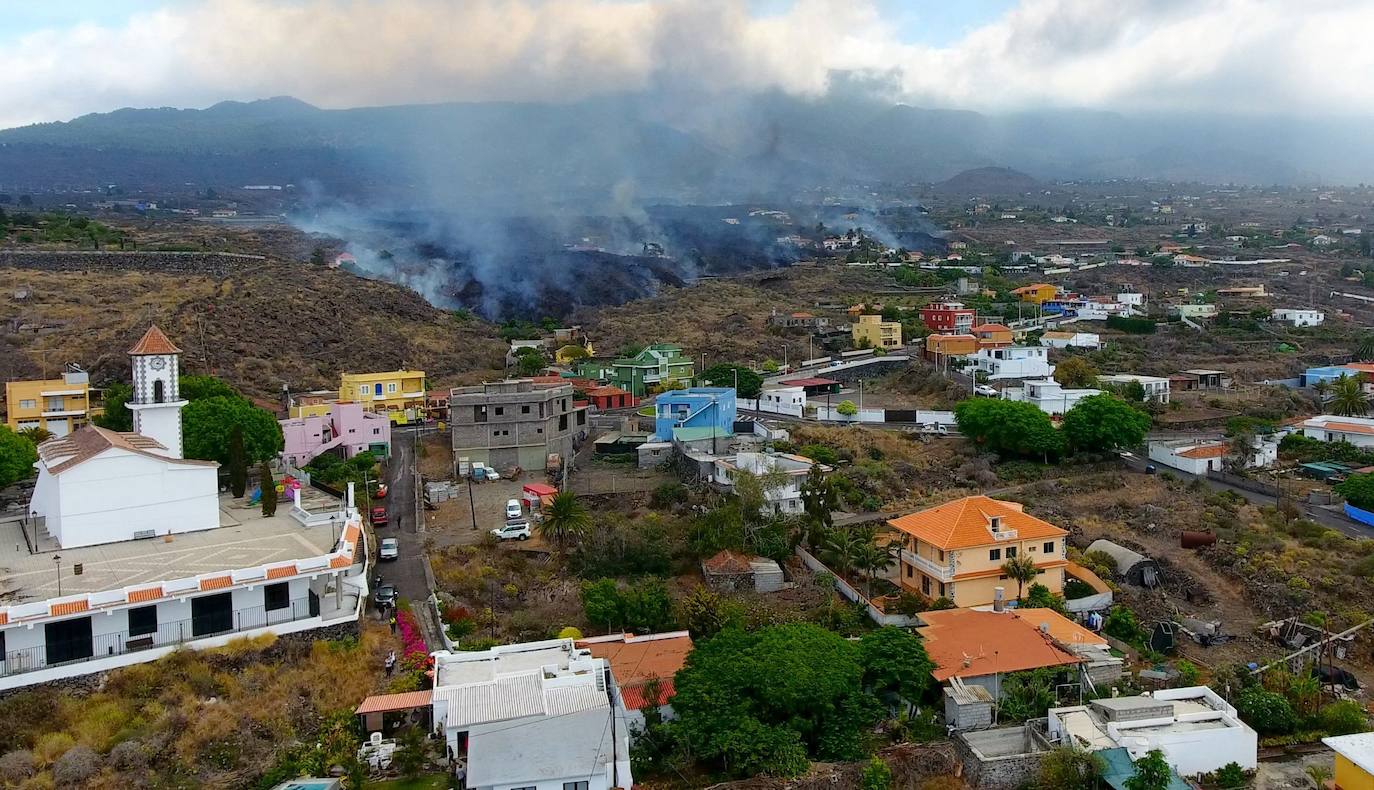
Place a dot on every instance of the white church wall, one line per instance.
(117, 494)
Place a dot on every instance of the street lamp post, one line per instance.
(57, 561)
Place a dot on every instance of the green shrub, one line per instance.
(1269, 713)
(1343, 718)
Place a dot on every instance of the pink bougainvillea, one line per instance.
(412, 643)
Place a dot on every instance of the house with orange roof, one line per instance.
(981, 647)
(1358, 431)
(993, 335)
(1199, 458)
(642, 669)
(938, 347)
(956, 550)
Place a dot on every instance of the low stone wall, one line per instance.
(212, 263)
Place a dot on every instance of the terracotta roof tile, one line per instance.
(635, 699)
(4, 618)
(990, 642)
(1208, 451)
(964, 523)
(154, 342)
(216, 582)
(342, 561)
(145, 594)
(728, 562)
(386, 703)
(635, 660)
(281, 571)
(70, 607)
(1347, 427)
(61, 453)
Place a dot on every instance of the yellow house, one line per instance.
(311, 404)
(59, 406)
(878, 333)
(956, 550)
(392, 391)
(1354, 761)
(1037, 293)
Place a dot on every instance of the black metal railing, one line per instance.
(72, 651)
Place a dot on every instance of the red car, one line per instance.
(379, 516)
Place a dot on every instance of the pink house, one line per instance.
(346, 426)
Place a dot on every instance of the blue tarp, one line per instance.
(1362, 516)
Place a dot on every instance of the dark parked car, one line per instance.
(384, 596)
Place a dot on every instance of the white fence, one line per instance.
(832, 414)
(768, 406)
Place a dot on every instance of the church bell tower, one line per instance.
(156, 401)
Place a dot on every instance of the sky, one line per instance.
(59, 60)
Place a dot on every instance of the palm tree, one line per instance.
(566, 518)
(1364, 350)
(36, 434)
(1307, 690)
(1321, 388)
(871, 557)
(838, 549)
(1318, 773)
(1022, 569)
(1347, 396)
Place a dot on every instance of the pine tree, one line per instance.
(238, 462)
(269, 491)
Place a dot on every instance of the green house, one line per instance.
(651, 367)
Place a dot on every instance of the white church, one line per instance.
(100, 486)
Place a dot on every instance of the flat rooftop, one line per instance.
(486, 668)
(245, 539)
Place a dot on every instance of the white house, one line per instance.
(1071, 340)
(1195, 728)
(1323, 240)
(1298, 316)
(784, 499)
(535, 715)
(1358, 431)
(1156, 387)
(779, 400)
(127, 552)
(1199, 458)
(1194, 310)
(1012, 362)
(1049, 395)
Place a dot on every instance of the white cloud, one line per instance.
(1234, 55)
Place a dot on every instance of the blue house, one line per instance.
(711, 408)
(1328, 374)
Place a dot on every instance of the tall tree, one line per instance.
(749, 385)
(17, 456)
(1364, 349)
(1348, 397)
(1008, 427)
(820, 500)
(873, 557)
(1104, 422)
(1022, 570)
(238, 462)
(207, 423)
(269, 490)
(566, 518)
(1076, 372)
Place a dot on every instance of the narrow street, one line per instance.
(1321, 515)
(407, 572)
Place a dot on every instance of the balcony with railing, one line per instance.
(217, 623)
(942, 572)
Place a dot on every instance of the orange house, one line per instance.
(1037, 293)
(993, 335)
(938, 346)
(956, 550)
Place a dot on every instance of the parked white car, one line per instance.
(513, 509)
(986, 391)
(389, 549)
(515, 530)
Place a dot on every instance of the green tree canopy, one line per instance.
(1076, 372)
(723, 375)
(17, 456)
(566, 518)
(847, 408)
(1152, 772)
(1008, 427)
(895, 662)
(206, 425)
(117, 416)
(1104, 422)
(762, 702)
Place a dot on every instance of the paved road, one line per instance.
(407, 572)
(1326, 518)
